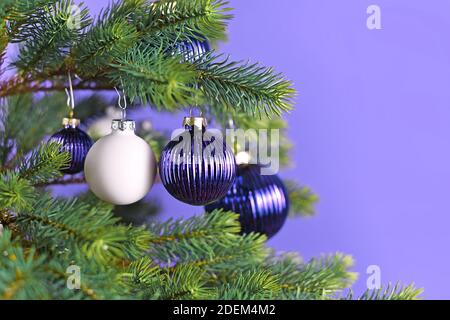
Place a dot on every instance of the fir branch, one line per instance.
(185, 281)
(391, 292)
(250, 285)
(19, 85)
(155, 79)
(246, 87)
(44, 163)
(20, 12)
(211, 240)
(77, 226)
(98, 281)
(21, 276)
(142, 272)
(15, 193)
(318, 279)
(46, 36)
(26, 121)
(302, 199)
(122, 25)
(5, 8)
(103, 46)
(108, 39)
(27, 274)
(71, 180)
(188, 17)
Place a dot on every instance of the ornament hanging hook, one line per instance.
(231, 123)
(70, 98)
(122, 97)
(196, 104)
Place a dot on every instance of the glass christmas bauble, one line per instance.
(192, 49)
(197, 167)
(120, 168)
(74, 141)
(260, 200)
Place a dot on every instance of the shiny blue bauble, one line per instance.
(192, 49)
(260, 200)
(193, 174)
(74, 141)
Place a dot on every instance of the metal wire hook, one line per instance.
(191, 111)
(231, 123)
(119, 102)
(69, 93)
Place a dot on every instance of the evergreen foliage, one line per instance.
(131, 45)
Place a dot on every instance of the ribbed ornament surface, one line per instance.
(261, 200)
(77, 143)
(192, 175)
(193, 49)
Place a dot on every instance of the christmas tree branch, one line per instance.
(391, 292)
(26, 273)
(214, 234)
(155, 79)
(302, 199)
(44, 163)
(54, 221)
(318, 279)
(248, 88)
(189, 18)
(72, 180)
(46, 34)
(19, 85)
(184, 281)
(251, 285)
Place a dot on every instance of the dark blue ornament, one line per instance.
(74, 141)
(261, 200)
(197, 167)
(192, 49)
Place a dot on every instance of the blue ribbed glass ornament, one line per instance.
(192, 49)
(195, 168)
(74, 141)
(261, 200)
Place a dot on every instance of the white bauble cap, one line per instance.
(120, 168)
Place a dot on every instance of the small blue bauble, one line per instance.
(74, 141)
(260, 200)
(192, 49)
(196, 168)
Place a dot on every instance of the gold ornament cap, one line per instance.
(71, 122)
(198, 122)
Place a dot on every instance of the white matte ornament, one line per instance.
(120, 168)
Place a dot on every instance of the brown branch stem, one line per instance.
(19, 85)
(62, 182)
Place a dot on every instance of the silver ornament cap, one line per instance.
(123, 124)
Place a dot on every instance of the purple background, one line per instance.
(371, 129)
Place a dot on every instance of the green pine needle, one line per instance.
(44, 163)
(155, 79)
(15, 193)
(46, 34)
(391, 292)
(302, 199)
(245, 87)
